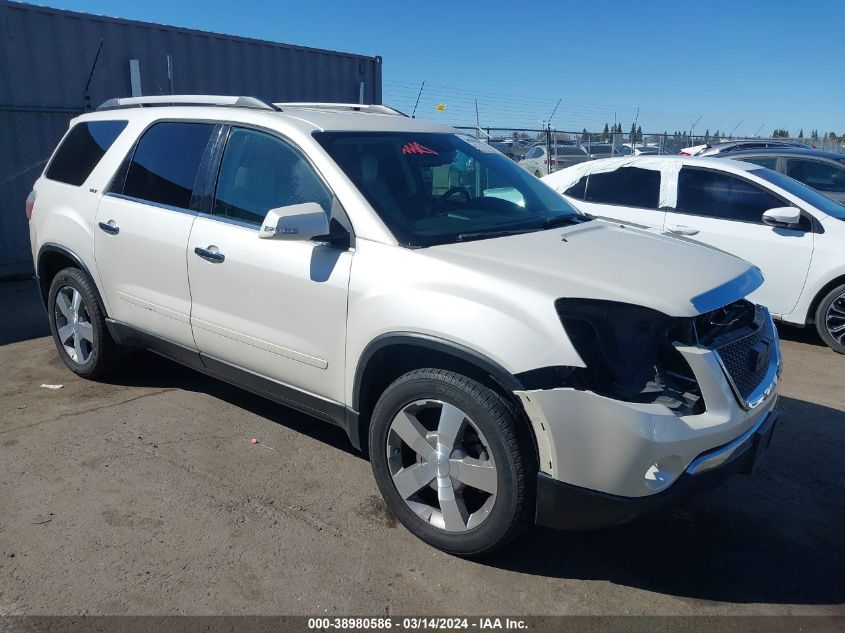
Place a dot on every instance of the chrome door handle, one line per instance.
(210, 256)
(680, 229)
(111, 228)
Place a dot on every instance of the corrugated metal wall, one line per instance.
(46, 56)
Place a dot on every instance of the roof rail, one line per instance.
(186, 100)
(352, 107)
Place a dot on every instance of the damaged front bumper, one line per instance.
(604, 461)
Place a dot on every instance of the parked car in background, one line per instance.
(538, 160)
(823, 171)
(506, 149)
(794, 234)
(735, 146)
(322, 258)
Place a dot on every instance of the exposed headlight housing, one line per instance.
(630, 354)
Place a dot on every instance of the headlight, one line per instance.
(629, 353)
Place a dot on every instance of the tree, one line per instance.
(584, 135)
(832, 136)
(780, 133)
(801, 133)
(639, 133)
(606, 133)
(707, 135)
(633, 135)
(815, 135)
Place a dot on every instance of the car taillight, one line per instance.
(550, 161)
(684, 154)
(30, 204)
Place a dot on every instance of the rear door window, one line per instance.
(166, 161)
(627, 186)
(719, 195)
(82, 149)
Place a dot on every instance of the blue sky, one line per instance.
(777, 63)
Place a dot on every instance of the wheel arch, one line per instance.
(820, 295)
(391, 355)
(51, 259)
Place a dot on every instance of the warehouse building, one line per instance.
(56, 64)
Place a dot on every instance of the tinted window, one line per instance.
(769, 162)
(261, 172)
(599, 149)
(817, 174)
(165, 164)
(629, 186)
(535, 152)
(82, 149)
(720, 195)
(578, 189)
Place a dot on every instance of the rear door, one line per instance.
(143, 224)
(627, 194)
(272, 307)
(725, 211)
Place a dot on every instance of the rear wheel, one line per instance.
(451, 462)
(830, 319)
(78, 324)
(538, 173)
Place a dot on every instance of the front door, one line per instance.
(142, 230)
(275, 308)
(725, 211)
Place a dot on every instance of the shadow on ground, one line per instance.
(27, 318)
(775, 537)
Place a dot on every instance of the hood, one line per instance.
(602, 260)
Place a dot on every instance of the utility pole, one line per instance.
(692, 129)
(731, 135)
(419, 94)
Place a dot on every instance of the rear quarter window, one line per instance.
(81, 150)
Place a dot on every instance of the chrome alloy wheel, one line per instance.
(73, 324)
(835, 319)
(441, 465)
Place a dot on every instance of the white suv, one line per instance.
(501, 357)
(793, 233)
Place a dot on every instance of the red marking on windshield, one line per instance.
(416, 148)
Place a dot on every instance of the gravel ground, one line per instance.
(143, 495)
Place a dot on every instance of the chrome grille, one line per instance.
(748, 360)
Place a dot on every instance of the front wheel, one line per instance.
(452, 461)
(830, 319)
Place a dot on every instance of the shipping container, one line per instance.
(55, 64)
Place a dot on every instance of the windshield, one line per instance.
(437, 188)
(800, 190)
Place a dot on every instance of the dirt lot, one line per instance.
(143, 495)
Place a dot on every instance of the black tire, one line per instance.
(101, 351)
(824, 322)
(509, 444)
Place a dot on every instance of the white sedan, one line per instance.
(792, 233)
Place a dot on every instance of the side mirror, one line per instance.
(296, 222)
(782, 217)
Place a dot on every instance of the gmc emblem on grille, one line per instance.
(757, 356)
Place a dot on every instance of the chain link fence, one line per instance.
(560, 148)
